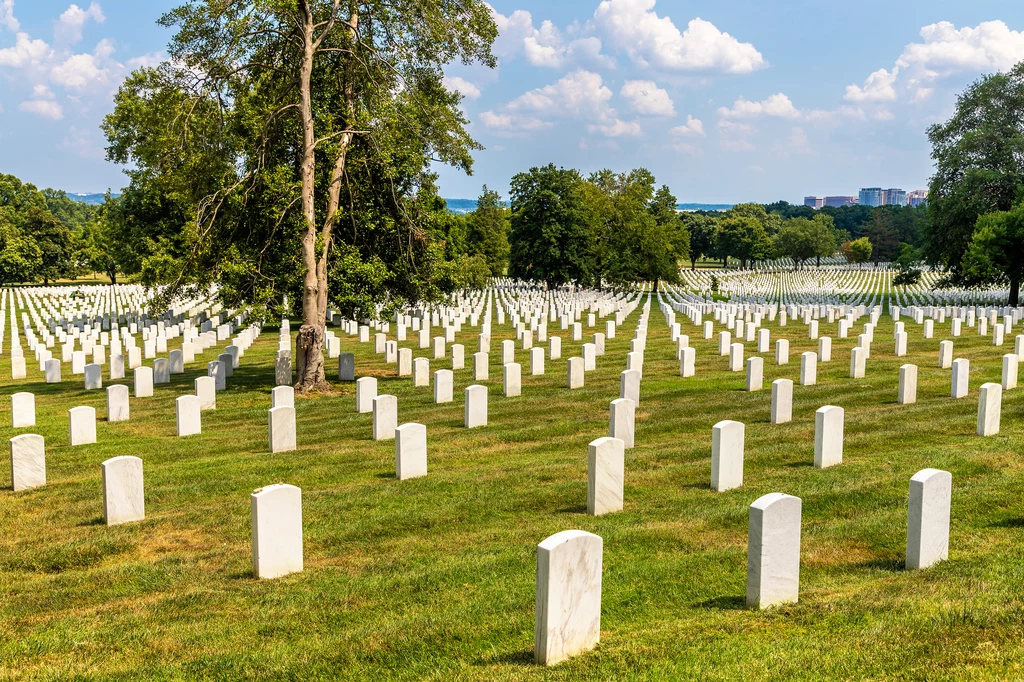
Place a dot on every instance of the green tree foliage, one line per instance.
(743, 237)
(488, 230)
(20, 257)
(859, 250)
(996, 251)
(906, 262)
(552, 238)
(979, 169)
(881, 231)
(797, 240)
(37, 244)
(284, 148)
(702, 229)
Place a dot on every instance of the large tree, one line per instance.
(996, 251)
(979, 165)
(553, 238)
(487, 232)
(703, 232)
(295, 137)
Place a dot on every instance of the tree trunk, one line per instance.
(310, 343)
(819, 261)
(113, 276)
(1014, 291)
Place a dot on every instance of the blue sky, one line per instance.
(723, 101)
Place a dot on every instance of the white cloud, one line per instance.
(991, 45)
(581, 94)
(43, 107)
(692, 128)
(647, 99)
(462, 86)
(648, 39)
(81, 143)
(68, 29)
(25, 52)
(545, 46)
(511, 124)
(688, 149)
(776, 105)
(877, 87)
(944, 51)
(7, 15)
(616, 128)
(82, 70)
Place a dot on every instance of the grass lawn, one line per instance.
(434, 578)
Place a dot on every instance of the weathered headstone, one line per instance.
(276, 518)
(28, 461)
(143, 382)
(990, 405)
(443, 386)
(828, 436)
(366, 391)
(907, 394)
(281, 429)
(346, 367)
(568, 616)
(206, 391)
(605, 473)
(727, 455)
(23, 410)
(124, 498)
(188, 420)
(782, 401)
(82, 425)
(575, 373)
(773, 551)
(410, 451)
(512, 380)
(476, 406)
(385, 417)
(961, 377)
(622, 418)
(928, 513)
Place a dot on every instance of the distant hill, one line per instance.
(89, 198)
(469, 205)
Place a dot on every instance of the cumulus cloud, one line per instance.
(943, 51)
(462, 86)
(648, 39)
(512, 124)
(616, 128)
(45, 108)
(25, 52)
(7, 17)
(647, 99)
(580, 93)
(83, 70)
(776, 105)
(68, 28)
(877, 87)
(692, 128)
(544, 46)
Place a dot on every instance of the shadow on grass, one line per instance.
(704, 485)
(794, 465)
(95, 521)
(724, 604)
(880, 564)
(577, 509)
(523, 657)
(1013, 522)
(387, 474)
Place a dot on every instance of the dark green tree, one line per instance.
(552, 239)
(979, 166)
(703, 232)
(995, 253)
(287, 143)
(488, 228)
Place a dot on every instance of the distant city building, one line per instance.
(871, 196)
(814, 202)
(894, 197)
(917, 197)
(837, 202)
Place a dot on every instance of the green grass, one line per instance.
(434, 578)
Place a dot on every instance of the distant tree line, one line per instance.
(45, 235)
